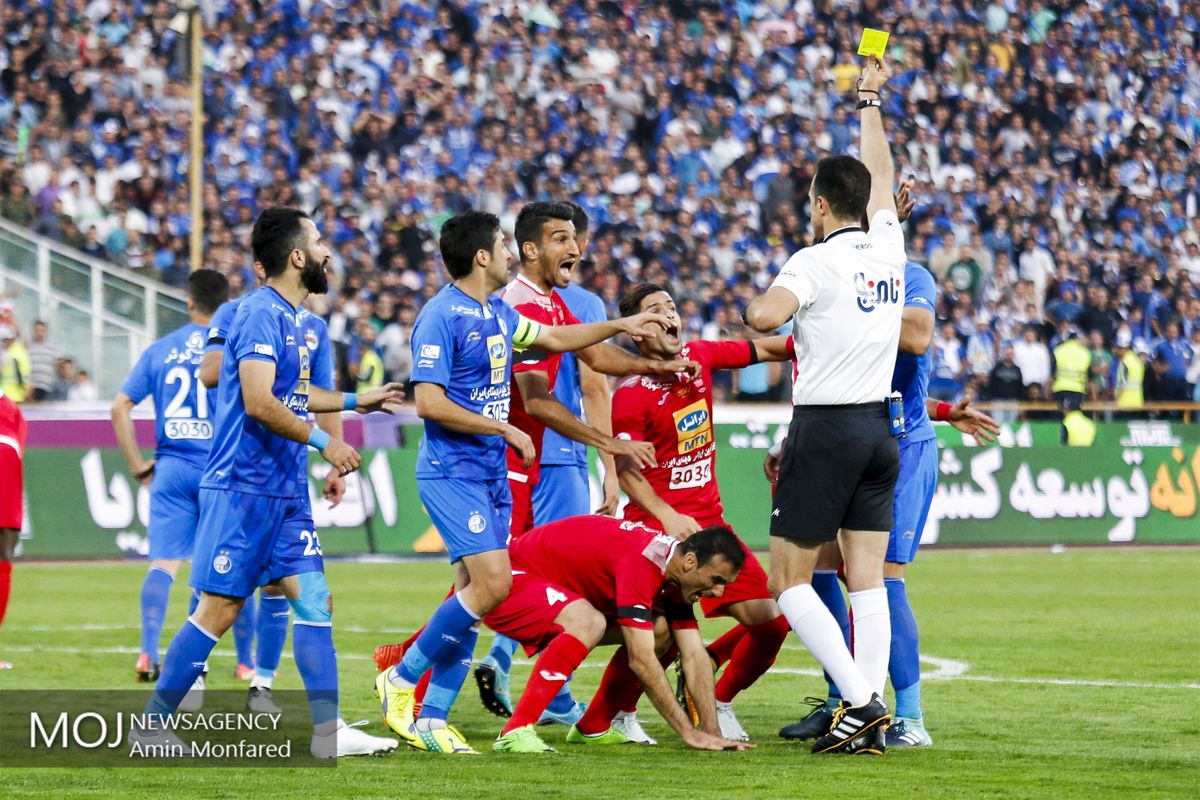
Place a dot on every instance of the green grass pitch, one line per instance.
(1069, 675)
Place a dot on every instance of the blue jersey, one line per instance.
(911, 375)
(557, 449)
(246, 456)
(467, 349)
(169, 370)
(222, 321)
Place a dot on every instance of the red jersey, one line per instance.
(675, 414)
(12, 426)
(616, 565)
(548, 309)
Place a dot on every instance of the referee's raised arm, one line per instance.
(876, 154)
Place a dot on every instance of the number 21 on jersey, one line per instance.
(182, 421)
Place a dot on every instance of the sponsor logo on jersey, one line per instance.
(264, 350)
(305, 372)
(468, 310)
(473, 336)
(693, 426)
(432, 351)
(875, 293)
(497, 347)
(290, 340)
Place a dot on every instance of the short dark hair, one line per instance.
(277, 232)
(631, 303)
(464, 235)
(709, 543)
(208, 289)
(578, 216)
(845, 183)
(534, 216)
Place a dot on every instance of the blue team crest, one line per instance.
(871, 293)
(310, 339)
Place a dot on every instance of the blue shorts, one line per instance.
(473, 516)
(237, 537)
(297, 550)
(561, 491)
(914, 494)
(174, 509)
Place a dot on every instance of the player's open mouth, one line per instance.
(565, 268)
(672, 332)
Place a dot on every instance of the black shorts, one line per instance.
(838, 471)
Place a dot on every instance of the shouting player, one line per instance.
(591, 580)
(254, 484)
(680, 494)
(462, 354)
(168, 371)
(549, 247)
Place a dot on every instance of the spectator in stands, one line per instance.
(949, 369)
(43, 356)
(1032, 357)
(1099, 387)
(1005, 385)
(1177, 355)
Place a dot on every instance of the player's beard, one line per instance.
(313, 277)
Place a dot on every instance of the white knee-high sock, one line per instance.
(819, 631)
(872, 635)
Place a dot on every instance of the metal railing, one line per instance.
(100, 315)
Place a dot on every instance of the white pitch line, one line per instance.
(945, 669)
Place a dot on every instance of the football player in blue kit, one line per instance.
(168, 372)
(271, 620)
(462, 347)
(255, 485)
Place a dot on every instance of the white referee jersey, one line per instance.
(847, 329)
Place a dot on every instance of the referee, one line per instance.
(845, 297)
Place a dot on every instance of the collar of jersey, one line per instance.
(531, 285)
(840, 231)
(284, 299)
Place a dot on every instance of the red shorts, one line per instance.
(522, 505)
(529, 611)
(11, 485)
(751, 584)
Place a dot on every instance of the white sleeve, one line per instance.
(885, 232)
(798, 277)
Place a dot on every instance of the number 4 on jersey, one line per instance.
(554, 596)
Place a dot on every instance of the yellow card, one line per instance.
(873, 42)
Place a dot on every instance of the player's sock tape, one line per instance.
(312, 606)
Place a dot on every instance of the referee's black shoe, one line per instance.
(850, 724)
(873, 744)
(815, 723)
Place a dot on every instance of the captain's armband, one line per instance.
(526, 333)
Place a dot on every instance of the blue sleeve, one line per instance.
(919, 288)
(139, 382)
(592, 309)
(257, 337)
(218, 328)
(433, 348)
(323, 359)
(510, 315)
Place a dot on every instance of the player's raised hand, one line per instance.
(386, 398)
(678, 366)
(518, 440)
(341, 456)
(700, 740)
(642, 325)
(972, 422)
(641, 452)
(681, 526)
(334, 489)
(904, 200)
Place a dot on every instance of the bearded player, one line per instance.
(680, 494)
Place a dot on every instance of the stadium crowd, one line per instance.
(1050, 143)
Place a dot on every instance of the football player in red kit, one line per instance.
(591, 580)
(680, 493)
(12, 450)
